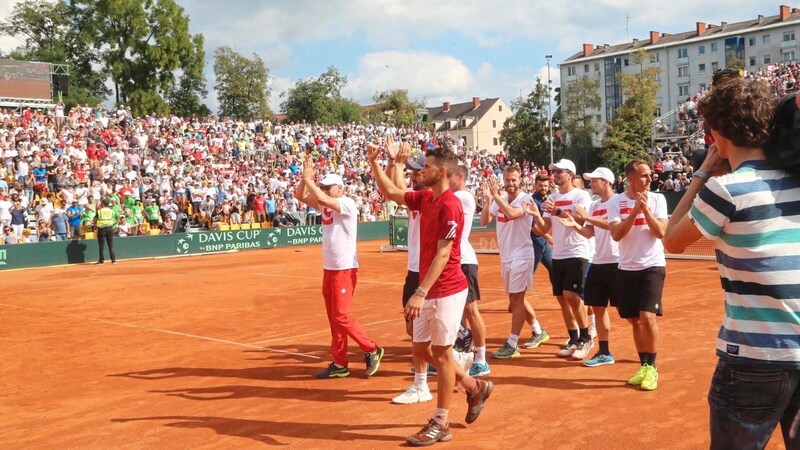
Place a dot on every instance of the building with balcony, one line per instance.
(687, 59)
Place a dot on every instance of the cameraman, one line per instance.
(750, 214)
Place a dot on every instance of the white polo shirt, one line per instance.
(640, 248)
(468, 255)
(513, 236)
(567, 242)
(339, 232)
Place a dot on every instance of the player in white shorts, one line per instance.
(516, 256)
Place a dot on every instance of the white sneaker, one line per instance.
(463, 360)
(581, 349)
(567, 350)
(414, 394)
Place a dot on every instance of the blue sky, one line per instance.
(440, 51)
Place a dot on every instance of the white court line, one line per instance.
(129, 325)
(286, 338)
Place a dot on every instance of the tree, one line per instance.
(48, 34)
(320, 99)
(142, 45)
(579, 101)
(525, 134)
(185, 99)
(242, 85)
(629, 134)
(394, 107)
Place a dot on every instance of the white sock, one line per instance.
(441, 416)
(421, 379)
(591, 321)
(480, 354)
(536, 328)
(513, 339)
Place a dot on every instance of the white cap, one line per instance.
(600, 172)
(563, 164)
(332, 179)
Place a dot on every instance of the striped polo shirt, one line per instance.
(753, 217)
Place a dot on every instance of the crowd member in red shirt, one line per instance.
(438, 302)
(259, 210)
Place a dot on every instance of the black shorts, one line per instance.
(471, 272)
(412, 283)
(601, 285)
(567, 275)
(640, 290)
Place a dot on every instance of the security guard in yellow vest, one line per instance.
(106, 221)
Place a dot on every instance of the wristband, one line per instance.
(558, 211)
(702, 174)
(421, 292)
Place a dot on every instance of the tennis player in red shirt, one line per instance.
(438, 302)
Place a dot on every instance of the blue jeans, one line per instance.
(748, 401)
(542, 253)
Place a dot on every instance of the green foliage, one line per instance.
(394, 107)
(142, 44)
(629, 134)
(185, 99)
(525, 134)
(242, 85)
(320, 100)
(48, 34)
(579, 101)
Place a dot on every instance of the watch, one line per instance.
(702, 174)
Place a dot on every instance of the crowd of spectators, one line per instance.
(166, 173)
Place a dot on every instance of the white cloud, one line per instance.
(279, 85)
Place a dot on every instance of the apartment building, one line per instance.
(479, 122)
(687, 59)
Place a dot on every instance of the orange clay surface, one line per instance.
(218, 351)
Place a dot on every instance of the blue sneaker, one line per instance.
(479, 369)
(599, 360)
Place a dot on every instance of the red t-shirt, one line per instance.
(441, 218)
(258, 205)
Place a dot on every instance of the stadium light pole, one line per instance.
(549, 107)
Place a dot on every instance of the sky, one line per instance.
(438, 51)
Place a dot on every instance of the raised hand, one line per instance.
(580, 213)
(530, 208)
(493, 186)
(403, 154)
(568, 221)
(373, 151)
(549, 206)
(391, 147)
(714, 164)
(308, 168)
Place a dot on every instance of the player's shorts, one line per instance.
(412, 282)
(471, 272)
(517, 275)
(601, 285)
(568, 275)
(439, 319)
(640, 290)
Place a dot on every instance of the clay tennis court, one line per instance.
(218, 351)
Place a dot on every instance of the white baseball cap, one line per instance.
(332, 179)
(600, 172)
(563, 164)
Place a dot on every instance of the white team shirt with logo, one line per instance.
(567, 242)
(606, 249)
(339, 232)
(513, 236)
(468, 255)
(640, 248)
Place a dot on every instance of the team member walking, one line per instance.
(516, 256)
(571, 253)
(601, 286)
(438, 302)
(637, 219)
(469, 265)
(106, 221)
(339, 225)
(750, 214)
